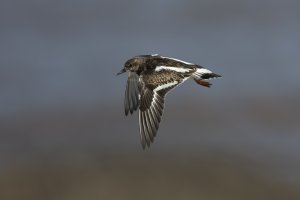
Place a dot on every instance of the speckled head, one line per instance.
(135, 64)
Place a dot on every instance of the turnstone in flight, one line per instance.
(150, 78)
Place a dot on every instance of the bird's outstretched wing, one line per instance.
(131, 101)
(153, 88)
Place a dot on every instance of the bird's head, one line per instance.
(132, 65)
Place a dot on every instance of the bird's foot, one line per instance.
(203, 83)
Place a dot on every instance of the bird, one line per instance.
(150, 78)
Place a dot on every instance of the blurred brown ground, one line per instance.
(77, 163)
(147, 177)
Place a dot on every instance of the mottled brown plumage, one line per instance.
(150, 78)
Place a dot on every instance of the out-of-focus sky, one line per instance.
(59, 96)
(62, 52)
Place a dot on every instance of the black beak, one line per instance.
(121, 72)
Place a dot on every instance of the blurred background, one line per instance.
(63, 133)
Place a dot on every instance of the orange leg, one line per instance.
(203, 83)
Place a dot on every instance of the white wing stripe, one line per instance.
(176, 69)
(164, 86)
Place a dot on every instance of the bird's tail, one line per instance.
(202, 74)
